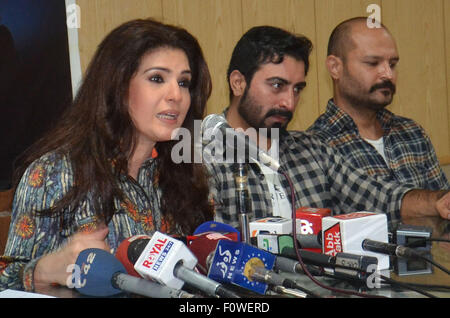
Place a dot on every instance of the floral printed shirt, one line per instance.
(45, 182)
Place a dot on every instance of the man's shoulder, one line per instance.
(322, 129)
(303, 136)
(407, 125)
(406, 121)
(306, 140)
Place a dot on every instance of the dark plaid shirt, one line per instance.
(321, 178)
(410, 156)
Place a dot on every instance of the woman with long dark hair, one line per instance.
(105, 172)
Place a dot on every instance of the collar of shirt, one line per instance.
(338, 120)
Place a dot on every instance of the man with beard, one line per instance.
(362, 64)
(266, 75)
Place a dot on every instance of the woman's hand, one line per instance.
(52, 268)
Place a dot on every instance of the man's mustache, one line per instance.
(279, 112)
(385, 84)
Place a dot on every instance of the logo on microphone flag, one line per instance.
(332, 243)
(160, 256)
(234, 262)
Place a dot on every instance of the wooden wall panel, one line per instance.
(445, 157)
(218, 26)
(329, 14)
(418, 28)
(298, 17)
(99, 17)
(5, 221)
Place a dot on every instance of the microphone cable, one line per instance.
(420, 256)
(406, 286)
(399, 251)
(437, 288)
(387, 280)
(421, 240)
(426, 259)
(264, 275)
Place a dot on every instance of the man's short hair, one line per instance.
(267, 44)
(340, 41)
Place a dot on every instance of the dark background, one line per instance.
(35, 83)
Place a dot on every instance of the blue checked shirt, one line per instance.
(321, 178)
(410, 156)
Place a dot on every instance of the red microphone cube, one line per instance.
(309, 222)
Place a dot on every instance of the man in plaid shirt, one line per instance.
(362, 63)
(266, 75)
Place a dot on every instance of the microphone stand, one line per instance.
(243, 201)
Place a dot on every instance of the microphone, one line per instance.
(169, 262)
(234, 262)
(101, 275)
(309, 236)
(346, 232)
(124, 250)
(217, 126)
(243, 200)
(246, 266)
(272, 278)
(309, 224)
(202, 246)
(344, 264)
(205, 244)
(272, 225)
(275, 242)
(206, 247)
(388, 248)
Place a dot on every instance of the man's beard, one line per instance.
(250, 111)
(363, 100)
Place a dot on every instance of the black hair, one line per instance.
(267, 44)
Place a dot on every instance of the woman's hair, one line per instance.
(97, 129)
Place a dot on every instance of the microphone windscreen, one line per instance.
(123, 251)
(97, 268)
(213, 122)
